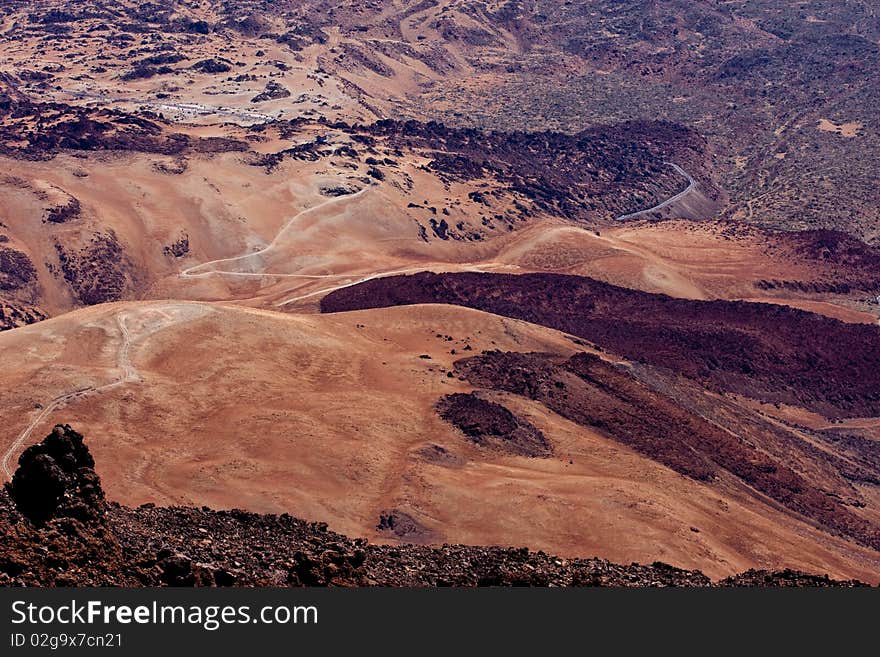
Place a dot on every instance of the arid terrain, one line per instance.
(57, 529)
(597, 279)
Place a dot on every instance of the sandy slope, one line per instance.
(328, 417)
(268, 236)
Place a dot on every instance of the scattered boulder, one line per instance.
(64, 213)
(273, 91)
(344, 189)
(144, 72)
(178, 248)
(212, 66)
(13, 315)
(99, 272)
(404, 526)
(113, 545)
(787, 578)
(16, 269)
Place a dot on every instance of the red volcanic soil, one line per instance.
(596, 394)
(57, 529)
(770, 353)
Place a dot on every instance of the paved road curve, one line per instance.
(692, 184)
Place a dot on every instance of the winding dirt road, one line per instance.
(227, 266)
(692, 184)
(128, 373)
(210, 267)
(221, 266)
(123, 363)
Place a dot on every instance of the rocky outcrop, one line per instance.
(16, 270)
(56, 479)
(99, 272)
(591, 176)
(273, 91)
(14, 314)
(609, 400)
(342, 189)
(403, 526)
(179, 248)
(42, 130)
(493, 426)
(11, 99)
(212, 65)
(783, 579)
(63, 213)
(18, 287)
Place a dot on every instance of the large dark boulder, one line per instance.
(56, 479)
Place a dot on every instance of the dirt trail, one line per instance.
(210, 266)
(151, 320)
(227, 265)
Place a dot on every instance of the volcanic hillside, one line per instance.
(591, 278)
(55, 501)
(769, 354)
(389, 424)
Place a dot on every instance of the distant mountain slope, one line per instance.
(786, 94)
